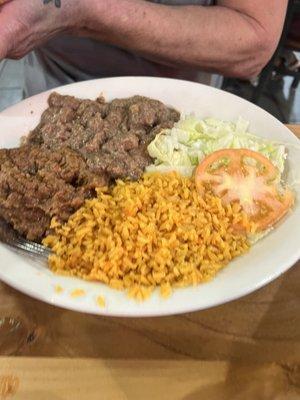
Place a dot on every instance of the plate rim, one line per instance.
(83, 308)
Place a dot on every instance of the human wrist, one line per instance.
(92, 12)
(74, 17)
(105, 19)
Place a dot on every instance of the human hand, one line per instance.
(26, 24)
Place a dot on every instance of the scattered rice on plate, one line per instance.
(158, 232)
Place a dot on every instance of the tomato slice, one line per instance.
(249, 178)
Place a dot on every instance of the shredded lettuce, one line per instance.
(191, 139)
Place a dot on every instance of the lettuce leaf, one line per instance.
(191, 139)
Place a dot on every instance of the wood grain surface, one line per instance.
(246, 349)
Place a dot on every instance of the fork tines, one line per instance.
(11, 238)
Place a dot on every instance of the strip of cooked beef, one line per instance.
(37, 184)
(112, 137)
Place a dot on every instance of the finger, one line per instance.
(8, 27)
(3, 48)
(3, 54)
(6, 39)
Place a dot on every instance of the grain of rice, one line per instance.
(77, 293)
(100, 301)
(158, 232)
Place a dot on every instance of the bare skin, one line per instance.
(234, 38)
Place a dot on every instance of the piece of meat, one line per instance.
(121, 142)
(78, 146)
(105, 134)
(37, 184)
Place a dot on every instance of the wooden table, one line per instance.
(247, 349)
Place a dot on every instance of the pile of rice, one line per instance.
(155, 232)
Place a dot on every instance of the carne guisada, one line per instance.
(78, 145)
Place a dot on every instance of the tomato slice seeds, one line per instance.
(248, 178)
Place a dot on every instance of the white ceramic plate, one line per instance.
(266, 261)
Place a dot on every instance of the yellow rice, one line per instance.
(155, 232)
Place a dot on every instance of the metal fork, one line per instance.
(12, 239)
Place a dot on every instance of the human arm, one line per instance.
(235, 38)
(232, 38)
